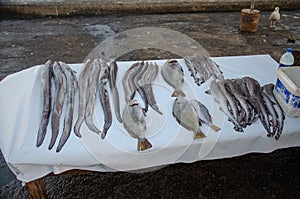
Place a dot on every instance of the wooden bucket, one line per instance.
(249, 20)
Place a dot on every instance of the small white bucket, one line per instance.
(287, 90)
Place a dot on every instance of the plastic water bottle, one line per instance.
(287, 59)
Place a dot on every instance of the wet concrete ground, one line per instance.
(28, 42)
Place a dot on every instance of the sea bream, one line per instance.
(204, 114)
(60, 95)
(187, 116)
(134, 122)
(173, 74)
(46, 77)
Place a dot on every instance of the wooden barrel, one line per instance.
(249, 20)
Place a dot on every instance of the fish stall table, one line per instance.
(20, 107)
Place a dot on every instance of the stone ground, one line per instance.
(31, 41)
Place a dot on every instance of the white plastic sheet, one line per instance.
(20, 107)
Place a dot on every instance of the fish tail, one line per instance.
(40, 138)
(155, 107)
(143, 144)
(77, 129)
(178, 93)
(199, 134)
(215, 128)
(52, 142)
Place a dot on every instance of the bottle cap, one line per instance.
(289, 50)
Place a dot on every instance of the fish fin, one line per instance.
(178, 93)
(143, 144)
(215, 128)
(103, 134)
(207, 92)
(199, 134)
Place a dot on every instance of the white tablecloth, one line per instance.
(20, 106)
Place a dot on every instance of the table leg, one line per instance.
(36, 189)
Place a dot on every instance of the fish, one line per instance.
(204, 114)
(199, 73)
(104, 97)
(113, 70)
(255, 91)
(92, 91)
(134, 121)
(127, 86)
(137, 86)
(46, 77)
(187, 116)
(241, 98)
(268, 90)
(232, 103)
(220, 98)
(60, 95)
(147, 79)
(250, 99)
(83, 95)
(271, 110)
(71, 90)
(173, 74)
(202, 68)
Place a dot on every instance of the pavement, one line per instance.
(26, 42)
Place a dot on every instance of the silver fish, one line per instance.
(173, 74)
(113, 70)
(187, 116)
(232, 103)
(271, 110)
(71, 90)
(147, 80)
(202, 68)
(46, 101)
(134, 122)
(204, 114)
(242, 99)
(136, 77)
(126, 84)
(83, 95)
(255, 91)
(104, 98)
(219, 97)
(60, 94)
(92, 91)
(250, 99)
(268, 90)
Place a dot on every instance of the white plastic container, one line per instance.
(287, 59)
(287, 90)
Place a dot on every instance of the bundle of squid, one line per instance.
(93, 75)
(202, 68)
(65, 88)
(243, 101)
